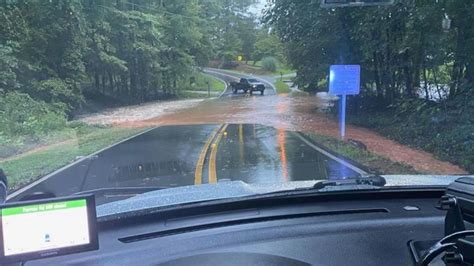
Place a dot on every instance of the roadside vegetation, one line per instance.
(282, 87)
(446, 130)
(281, 68)
(56, 57)
(373, 162)
(82, 140)
(201, 82)
(257, 68)
(417, 66)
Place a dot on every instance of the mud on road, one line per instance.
(137, 112)
(282, 112)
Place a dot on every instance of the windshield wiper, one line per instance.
(118, 190)
(369, 181)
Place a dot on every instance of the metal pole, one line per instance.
(343, 117)
(208, 89)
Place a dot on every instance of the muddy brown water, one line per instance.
(295, 114)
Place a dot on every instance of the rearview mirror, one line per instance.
(3, 187)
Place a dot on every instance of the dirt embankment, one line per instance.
(291, 113)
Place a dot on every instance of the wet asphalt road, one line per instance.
(172, 156)
(229, 76)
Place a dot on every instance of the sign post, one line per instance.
(344, 80)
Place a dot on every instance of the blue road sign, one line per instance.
(344, 80)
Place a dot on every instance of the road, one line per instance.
(228, 76)
(171, 156)
(232, 137)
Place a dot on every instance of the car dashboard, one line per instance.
(366, 228)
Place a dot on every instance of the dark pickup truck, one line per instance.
(248, 84)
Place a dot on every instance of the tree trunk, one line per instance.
(425, 79)
(435, 77)
(378, 86)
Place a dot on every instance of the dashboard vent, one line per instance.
(181, 230)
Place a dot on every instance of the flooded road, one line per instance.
(253, 139)
(258, 154)
(303, 113)
(173, 156)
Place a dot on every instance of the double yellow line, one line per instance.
(213, 144)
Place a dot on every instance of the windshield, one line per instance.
(119, 98)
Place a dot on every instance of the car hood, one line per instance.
(235, 189)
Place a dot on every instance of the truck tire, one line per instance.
(245, 91)
(261, 93)
(234, 91)
(251, 92)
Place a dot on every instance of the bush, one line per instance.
(58, 92)
(445, 129)
(269, 64)
(20, 115)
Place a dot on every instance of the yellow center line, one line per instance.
(241, 142)
(202, 157)
(212, 157)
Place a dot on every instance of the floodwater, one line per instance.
(295, 113)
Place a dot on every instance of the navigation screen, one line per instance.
(46, 226)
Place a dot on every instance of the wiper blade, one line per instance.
(363, 181)
(119, 190)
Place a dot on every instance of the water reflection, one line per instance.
(283, 158)
(273, 155)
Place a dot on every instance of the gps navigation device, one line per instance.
(45, 228)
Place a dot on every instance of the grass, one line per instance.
(256, 69)
(202, 80)
(375, 163)
(282, 87)
(88, 139)
(195, 95)
(281, 68)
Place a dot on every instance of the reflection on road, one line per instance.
(273, 155)
(282, 145)
(172, 156)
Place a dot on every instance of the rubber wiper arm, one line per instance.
(370, 180)
(115, 190)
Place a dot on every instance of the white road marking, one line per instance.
(346, 164)
(44, 178)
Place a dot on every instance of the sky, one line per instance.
(257, 8)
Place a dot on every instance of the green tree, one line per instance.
(399, 47)
(268, 44)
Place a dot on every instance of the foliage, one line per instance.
(269, 64)
(133, 51)
(398, 46)
(201, 83)
(268, 45)
(21, 115)
(417, 78)
(446, 130)
(8, 64)
(374, 162)
(235, 34)
(282, 87)
(86, 140)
